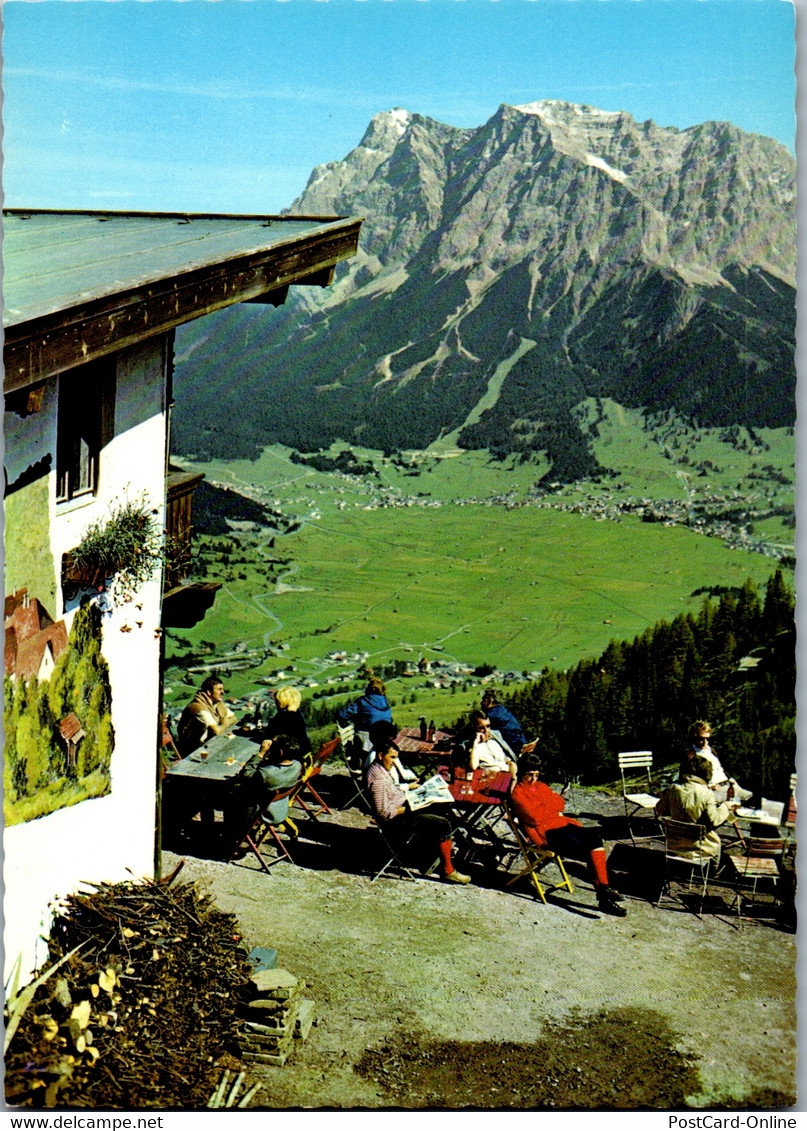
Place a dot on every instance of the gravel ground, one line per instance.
(418, 984)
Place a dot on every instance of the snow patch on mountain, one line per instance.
(401, 118)
(556, 111)
(598, 163)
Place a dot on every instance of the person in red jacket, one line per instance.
(540, 811)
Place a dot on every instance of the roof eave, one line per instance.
(44, 346)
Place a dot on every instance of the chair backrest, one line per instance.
(528, 848)
(790, 812)
(635, 760)
(352, 747)
(765, 846)
(168, 738)
(325, 751)
(632, 760)
(680, 830)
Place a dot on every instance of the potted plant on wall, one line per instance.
(126, 546)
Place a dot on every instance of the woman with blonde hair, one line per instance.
(287, 719)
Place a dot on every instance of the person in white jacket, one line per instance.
(724, 787)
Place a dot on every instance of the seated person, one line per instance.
(724, 787)
(280, 768)
(206, 714)
(372, 707)
(288, 718)
(483, 748)
(389, 805)
(503, 720)
(540, 810)
(382, 735)
(693, 800)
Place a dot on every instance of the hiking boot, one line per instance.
(457, 878)
(608, 904)
(612, 893)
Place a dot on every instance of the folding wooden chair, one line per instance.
(676, 832)
(391, 850)
(633, 760)
(758, 864)
(304, 784)
(790, 812)
(259, 829)
(354, 760)
(392, 854)
(168, 742)
(535, 859)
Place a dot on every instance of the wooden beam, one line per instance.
(322, 278)
(272, 298)
(53, 343)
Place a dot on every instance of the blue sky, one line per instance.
(228, 106)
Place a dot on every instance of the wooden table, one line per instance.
(223, 757)
(213, 779)
(477, 809)
(410, 742)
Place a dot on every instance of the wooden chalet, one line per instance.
(91, 303)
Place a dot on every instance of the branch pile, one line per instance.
(142, 1014)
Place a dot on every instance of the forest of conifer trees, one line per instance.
(733, 664)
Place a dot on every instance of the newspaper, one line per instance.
(433, 791)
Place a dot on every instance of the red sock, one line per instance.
(598, 866)
(445, 847)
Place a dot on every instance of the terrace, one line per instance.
(436, 975)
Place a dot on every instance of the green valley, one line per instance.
(449, 555)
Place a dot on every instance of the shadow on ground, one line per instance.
(620, 1058)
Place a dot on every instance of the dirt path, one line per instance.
(429, 973)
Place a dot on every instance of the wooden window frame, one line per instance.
(85, 425)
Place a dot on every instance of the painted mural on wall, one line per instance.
(58, 729)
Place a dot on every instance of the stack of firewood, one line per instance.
(137, 1006)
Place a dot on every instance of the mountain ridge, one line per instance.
(618, 247)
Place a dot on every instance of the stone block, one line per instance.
(277, 985)
(305, 1019)
(277, 1058)
(266, 1007)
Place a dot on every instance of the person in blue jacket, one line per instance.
(370, 708)
(504, 721)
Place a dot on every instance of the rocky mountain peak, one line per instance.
(638, 261)
(385, 130)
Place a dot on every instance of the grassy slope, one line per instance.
(518, 588)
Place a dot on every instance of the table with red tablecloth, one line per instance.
(478, 807)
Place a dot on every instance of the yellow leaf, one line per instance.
(81, 1044)
(128, 933)
(49, 1029)
(107, 980)
(94, 990)
(93, 1051)
(81, 1014)
(155, 954)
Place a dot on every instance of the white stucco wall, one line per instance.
(107, 838)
